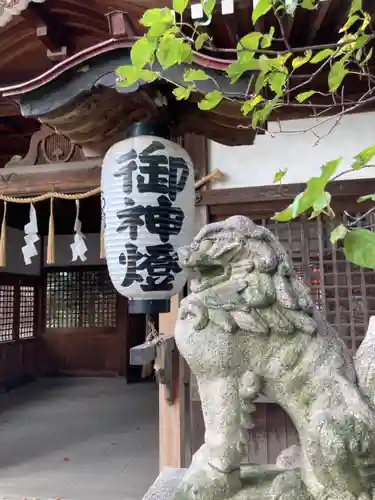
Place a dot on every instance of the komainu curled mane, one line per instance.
(249, 326)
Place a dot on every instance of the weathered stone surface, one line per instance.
(165, 485)
(249, 325)
(258, 483)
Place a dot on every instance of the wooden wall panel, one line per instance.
(18, 363)
(86, 324)
(86, 352)
(18, 356)
(273, 432)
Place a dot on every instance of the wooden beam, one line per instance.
(319, 18)
(32, 180)
(48, 30)
(224, 29)
(257, 195)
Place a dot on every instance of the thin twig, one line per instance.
(283, 34)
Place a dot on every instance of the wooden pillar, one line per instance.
(175, 420)
(170, 422)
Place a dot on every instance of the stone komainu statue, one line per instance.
(249, 326)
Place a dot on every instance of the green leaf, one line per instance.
(157, 16)
(359, 247)
(249, 41)
(210, 100)
(125, 71)
(366, 197)
(235, 71)
(320, 203)
(182, 93)
(172, 51)
(157, 30)
(288, 214)
(336, 75)
(266, 63)
(208, 7)
(361, 41)
(148, 76)
(180, 5)
(349, 23)
(282, 58)
(279, 176)
(261, 115)
(261, 8)
(186, 54)
(338, 233)
(239, 67)
(362, 158)
(368, 57)
(366, 21)
(249, 105)
(128, 75)
(277, 81)
(321, 56)
(267, 38)
(356, 6)
(142, 52)
(302, 203)
(314, 195)
(323, 201)
(200, 40)
(308, 4)
(303, 96)
(301, 60)
(247, 45)
(328, 169)
(260, 81)
(192, 75)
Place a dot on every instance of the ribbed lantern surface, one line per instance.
(148, 200)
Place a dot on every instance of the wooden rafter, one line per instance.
(224, 29)
(319, 18)
(48, 30)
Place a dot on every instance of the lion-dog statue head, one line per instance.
(244, 277)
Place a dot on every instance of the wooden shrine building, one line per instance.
(60, 111)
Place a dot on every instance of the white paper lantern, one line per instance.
(148, 202)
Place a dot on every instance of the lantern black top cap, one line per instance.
(155, 128)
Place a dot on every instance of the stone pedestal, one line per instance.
(165, 485)
(267, 482)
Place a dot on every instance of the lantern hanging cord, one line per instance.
(153, 335)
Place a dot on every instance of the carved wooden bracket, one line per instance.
(46, 146)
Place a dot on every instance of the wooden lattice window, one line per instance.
(80, 298)
(27, 311)
(343, 292)
(7, 300)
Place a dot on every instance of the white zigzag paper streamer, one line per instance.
(31, 237)
(79, 247)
